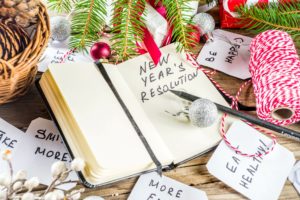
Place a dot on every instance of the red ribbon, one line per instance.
(151, 46)
(149, 43)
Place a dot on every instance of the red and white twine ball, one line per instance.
(275, 70)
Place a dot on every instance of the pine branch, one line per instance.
(128, 27)
(60, 6)
(88, 20)
(284, 17)
(179, 19)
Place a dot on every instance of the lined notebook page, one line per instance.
(101, 119)
(150, 85)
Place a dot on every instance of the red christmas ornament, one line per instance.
(100, 50)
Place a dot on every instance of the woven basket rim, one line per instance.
(22, 68)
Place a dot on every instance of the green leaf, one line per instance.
(128, 26)
(60, 6)
(87, 21)
(285, 17)
(181, 23)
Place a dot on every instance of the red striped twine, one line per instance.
(275, 69)
(235, 99)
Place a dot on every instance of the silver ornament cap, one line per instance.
(60, 28)
(205, 22)
(203, 113)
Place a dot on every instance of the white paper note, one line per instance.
(228, 53)
(153, 187)
(11, 139)
(257, 178)
(56, 51)
(43, 147)
(294, 176)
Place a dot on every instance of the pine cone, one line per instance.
(23, 12)
(13, 40)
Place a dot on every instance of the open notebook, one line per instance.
(114, 117)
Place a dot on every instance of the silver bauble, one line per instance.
(203, 113)
(60, 28)
(205, 22)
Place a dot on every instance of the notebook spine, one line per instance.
(130, 117)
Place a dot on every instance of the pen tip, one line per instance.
(175, 92)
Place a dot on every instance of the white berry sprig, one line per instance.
(18, 187)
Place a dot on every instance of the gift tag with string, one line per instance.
(257, 177)
(228, 53)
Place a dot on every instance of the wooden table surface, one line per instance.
(194, 173)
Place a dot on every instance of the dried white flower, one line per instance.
(6, 155)
(32, 183)
(58, 168)
(22, 174)
(4, 180)
(3, 195)
(59, 194)
(50, 196)
(17, 185)
(77, 164)
(75, 194)
(28, 196)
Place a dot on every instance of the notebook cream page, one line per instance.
(100, 117)
(150, 86)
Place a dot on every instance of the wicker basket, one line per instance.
(20, 71)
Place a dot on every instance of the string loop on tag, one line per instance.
(67, 54)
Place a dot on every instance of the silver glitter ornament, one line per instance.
(60, 28)
(203, 113)
(205, 22)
